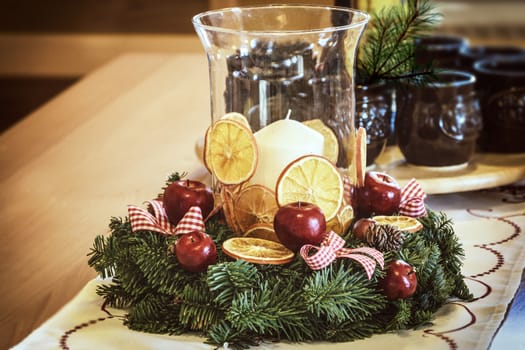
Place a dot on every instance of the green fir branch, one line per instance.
(387, 49)
(268, 310)
(114, 295)
(338, 295)
(421, 318)
(161, 269)
(225, 334)
(155, 314)
(229, 278)
(171, 179)
(244, 304)
(198, 312)
(351, 330)
(402, 315)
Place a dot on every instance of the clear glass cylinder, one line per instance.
(269, 61)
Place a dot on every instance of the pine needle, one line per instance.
(387, 49)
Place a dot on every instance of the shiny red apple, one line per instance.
(299, 223)
(181, 195)
(361, 227)
(380, 195)
(195, 251)
(400, 281)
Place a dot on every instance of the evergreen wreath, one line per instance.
(244, 304)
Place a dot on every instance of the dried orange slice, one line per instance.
(262, 231)
(360, 156)
(227, 199)
(402, 222)
(256, 250)
(254, 204)
(313, 179)
(230, 151)
(238, 117)
(341, 222)
(331, 145)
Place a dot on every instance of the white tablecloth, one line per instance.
(490, 223)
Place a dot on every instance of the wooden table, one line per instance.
(67, 168)
(110, 140)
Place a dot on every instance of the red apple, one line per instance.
(195, 251)
(380, 195)
(400, 281)
(181, 195)
(299, 223)
(361, 226)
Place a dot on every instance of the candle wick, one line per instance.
(288, 114)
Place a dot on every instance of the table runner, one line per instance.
(489, 223)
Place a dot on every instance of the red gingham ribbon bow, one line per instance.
(141, 220)
(191, 221)
(332, 248)
(412, 200)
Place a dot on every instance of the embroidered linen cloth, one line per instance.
(490, 224)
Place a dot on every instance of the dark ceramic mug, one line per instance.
(442, 51)
(501, 89)
(438, 125)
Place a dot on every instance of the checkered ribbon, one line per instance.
(142, 220)
(332, 248)
(412, 200)
(191, 221)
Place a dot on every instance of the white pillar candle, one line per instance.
(280, 143)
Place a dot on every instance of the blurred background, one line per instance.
(45, 46)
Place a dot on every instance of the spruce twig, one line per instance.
(387, 51)
(243, 304)
(338, 295)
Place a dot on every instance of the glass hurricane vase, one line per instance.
(269, 61)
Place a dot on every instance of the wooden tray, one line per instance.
(486, 170)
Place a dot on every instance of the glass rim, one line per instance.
(491, 50)
(463, 78)
(486, 66)
(441, 41)
(196, 20)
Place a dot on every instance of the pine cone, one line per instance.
(384, 237)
